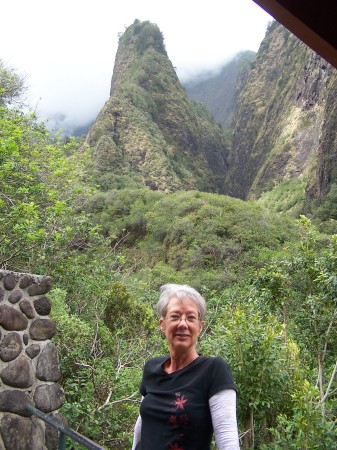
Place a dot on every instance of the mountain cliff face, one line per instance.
(217, 91)
(284, 145)
(284, 123)
(148, 132)
(322, 185)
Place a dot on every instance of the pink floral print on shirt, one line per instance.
(178, 418)
(180, 401)
(175, 446)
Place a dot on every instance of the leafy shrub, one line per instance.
(305, 429)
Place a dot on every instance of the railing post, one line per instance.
(62, 440)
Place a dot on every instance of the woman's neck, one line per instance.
(178, 361)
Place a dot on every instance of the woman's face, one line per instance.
(181, 325)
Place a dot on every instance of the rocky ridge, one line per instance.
(149, 132)
(282, 119)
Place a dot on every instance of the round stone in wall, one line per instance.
(15, 296)
(25, 281)
(19, 373)
(42, 306)
(47, 368)
(33, 350)
(12, 319)
(10, 281)
(15, 401)
(25, 338)
(30, 437)
(42, 329)
(10, 347)
(40, 288)
(27, 308)
(49, 397)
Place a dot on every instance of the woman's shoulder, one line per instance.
(213, 361)
(215, 364)
(156, 359)
(218, 373)
(155, 362)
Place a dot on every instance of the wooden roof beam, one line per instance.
(313, 22)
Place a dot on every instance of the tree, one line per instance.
(12, 85)
(302, 289)
(39, 190)
(263, 366)
(305, 429)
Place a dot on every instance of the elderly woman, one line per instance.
(186, 396)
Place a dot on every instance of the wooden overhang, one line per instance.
(313, 22)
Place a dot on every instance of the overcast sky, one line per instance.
(66, 49)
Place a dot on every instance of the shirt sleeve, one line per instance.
(220, 377)
(223, 412)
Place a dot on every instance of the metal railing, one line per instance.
(64, 431)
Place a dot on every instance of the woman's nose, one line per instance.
(183, 320)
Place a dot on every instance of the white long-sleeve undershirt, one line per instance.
(137, 432)
(223, 412)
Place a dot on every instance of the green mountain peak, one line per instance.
(149, 132)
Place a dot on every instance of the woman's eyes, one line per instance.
(176, 317)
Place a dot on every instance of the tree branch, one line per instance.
(108, 403)
(327, 393)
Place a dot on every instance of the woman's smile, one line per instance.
(183, 335)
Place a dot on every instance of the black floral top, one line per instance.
(175, 412)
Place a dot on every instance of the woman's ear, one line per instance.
(162, 324)
(202, 323)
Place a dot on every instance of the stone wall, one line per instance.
(29, 367)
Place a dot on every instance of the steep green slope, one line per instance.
(148, 132)
(321, 192)
(279, 118)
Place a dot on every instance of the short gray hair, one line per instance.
(181, 291)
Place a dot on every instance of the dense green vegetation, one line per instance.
(195, 237)
(269, 280)
(288, 197)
